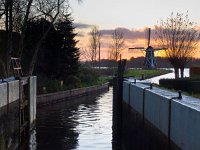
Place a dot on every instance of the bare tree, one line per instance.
(7, 13)
(178, 35)
(12, 13)
(117, 45)
(50, 11)
(86, 54)
(95, 37)
(16, 14)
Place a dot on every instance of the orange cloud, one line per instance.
(133, 38)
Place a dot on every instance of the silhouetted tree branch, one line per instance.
(16, 14)
(117, 45)
(178, 34)
(95, 37)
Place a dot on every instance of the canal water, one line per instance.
(81, 124)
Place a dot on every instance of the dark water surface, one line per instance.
(81, 124)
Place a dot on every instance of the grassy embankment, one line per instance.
(135, 73)
(89, 77)
(84, 78)
(138, 73)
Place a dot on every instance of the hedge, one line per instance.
(185, 84)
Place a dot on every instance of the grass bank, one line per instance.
(84, 78)
(89, 77)
(139, 73)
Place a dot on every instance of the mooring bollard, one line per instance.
(179, 94)
(151, 86)
(134, 81)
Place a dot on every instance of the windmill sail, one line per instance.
(137, 48)
(149, 35)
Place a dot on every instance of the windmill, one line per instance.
(149, 61)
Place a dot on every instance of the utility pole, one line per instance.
(99, 56)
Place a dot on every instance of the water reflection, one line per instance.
(81, 124)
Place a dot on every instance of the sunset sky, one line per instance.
(129, 16)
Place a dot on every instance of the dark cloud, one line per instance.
(80, 34)
(128, 34)
(82, 25)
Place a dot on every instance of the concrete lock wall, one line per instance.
(32, 98)
(9, 114)
(179, 120)
(136, 96)
(156, 110)
(185, 123)
(13, 90)
(126, 91)
(9, 93)
(3, 94)
(10, 107)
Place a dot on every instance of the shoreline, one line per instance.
(51, 98)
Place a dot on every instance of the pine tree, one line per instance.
(69, 51)
(34, 32)
(58, 55)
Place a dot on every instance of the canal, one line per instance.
(81, 124)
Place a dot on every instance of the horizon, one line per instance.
(139, 57)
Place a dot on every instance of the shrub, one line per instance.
(145, 73)
(88, 76)
(46, 85)
(72, 82)
(185, 84)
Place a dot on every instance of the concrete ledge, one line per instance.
(45, 99)
(3, 94)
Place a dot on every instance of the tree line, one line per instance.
(93, 53)
(41, 34)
